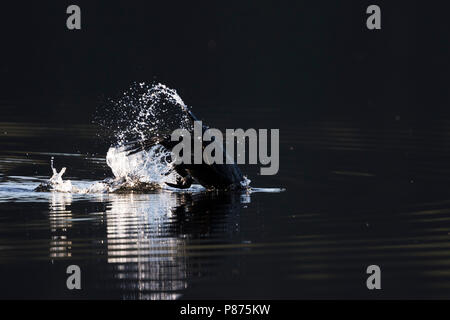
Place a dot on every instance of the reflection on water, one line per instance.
(145, 236)
(144, 253)
(60, 221)
(356, 195)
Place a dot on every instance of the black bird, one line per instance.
(211, 176)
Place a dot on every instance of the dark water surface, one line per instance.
(357, 195)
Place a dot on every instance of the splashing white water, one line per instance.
(141, 172)
(142, 113)
(150, 166)
(58, 183)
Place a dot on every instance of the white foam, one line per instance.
(147, 166)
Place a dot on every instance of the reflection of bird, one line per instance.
(211, 176)
(200, 213)
(146, 237)
(149, 262)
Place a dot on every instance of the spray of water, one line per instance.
(142, 112)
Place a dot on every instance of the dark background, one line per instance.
(300, 59)
(364, 134)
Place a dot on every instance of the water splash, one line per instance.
(152, 166)
(143, 112)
